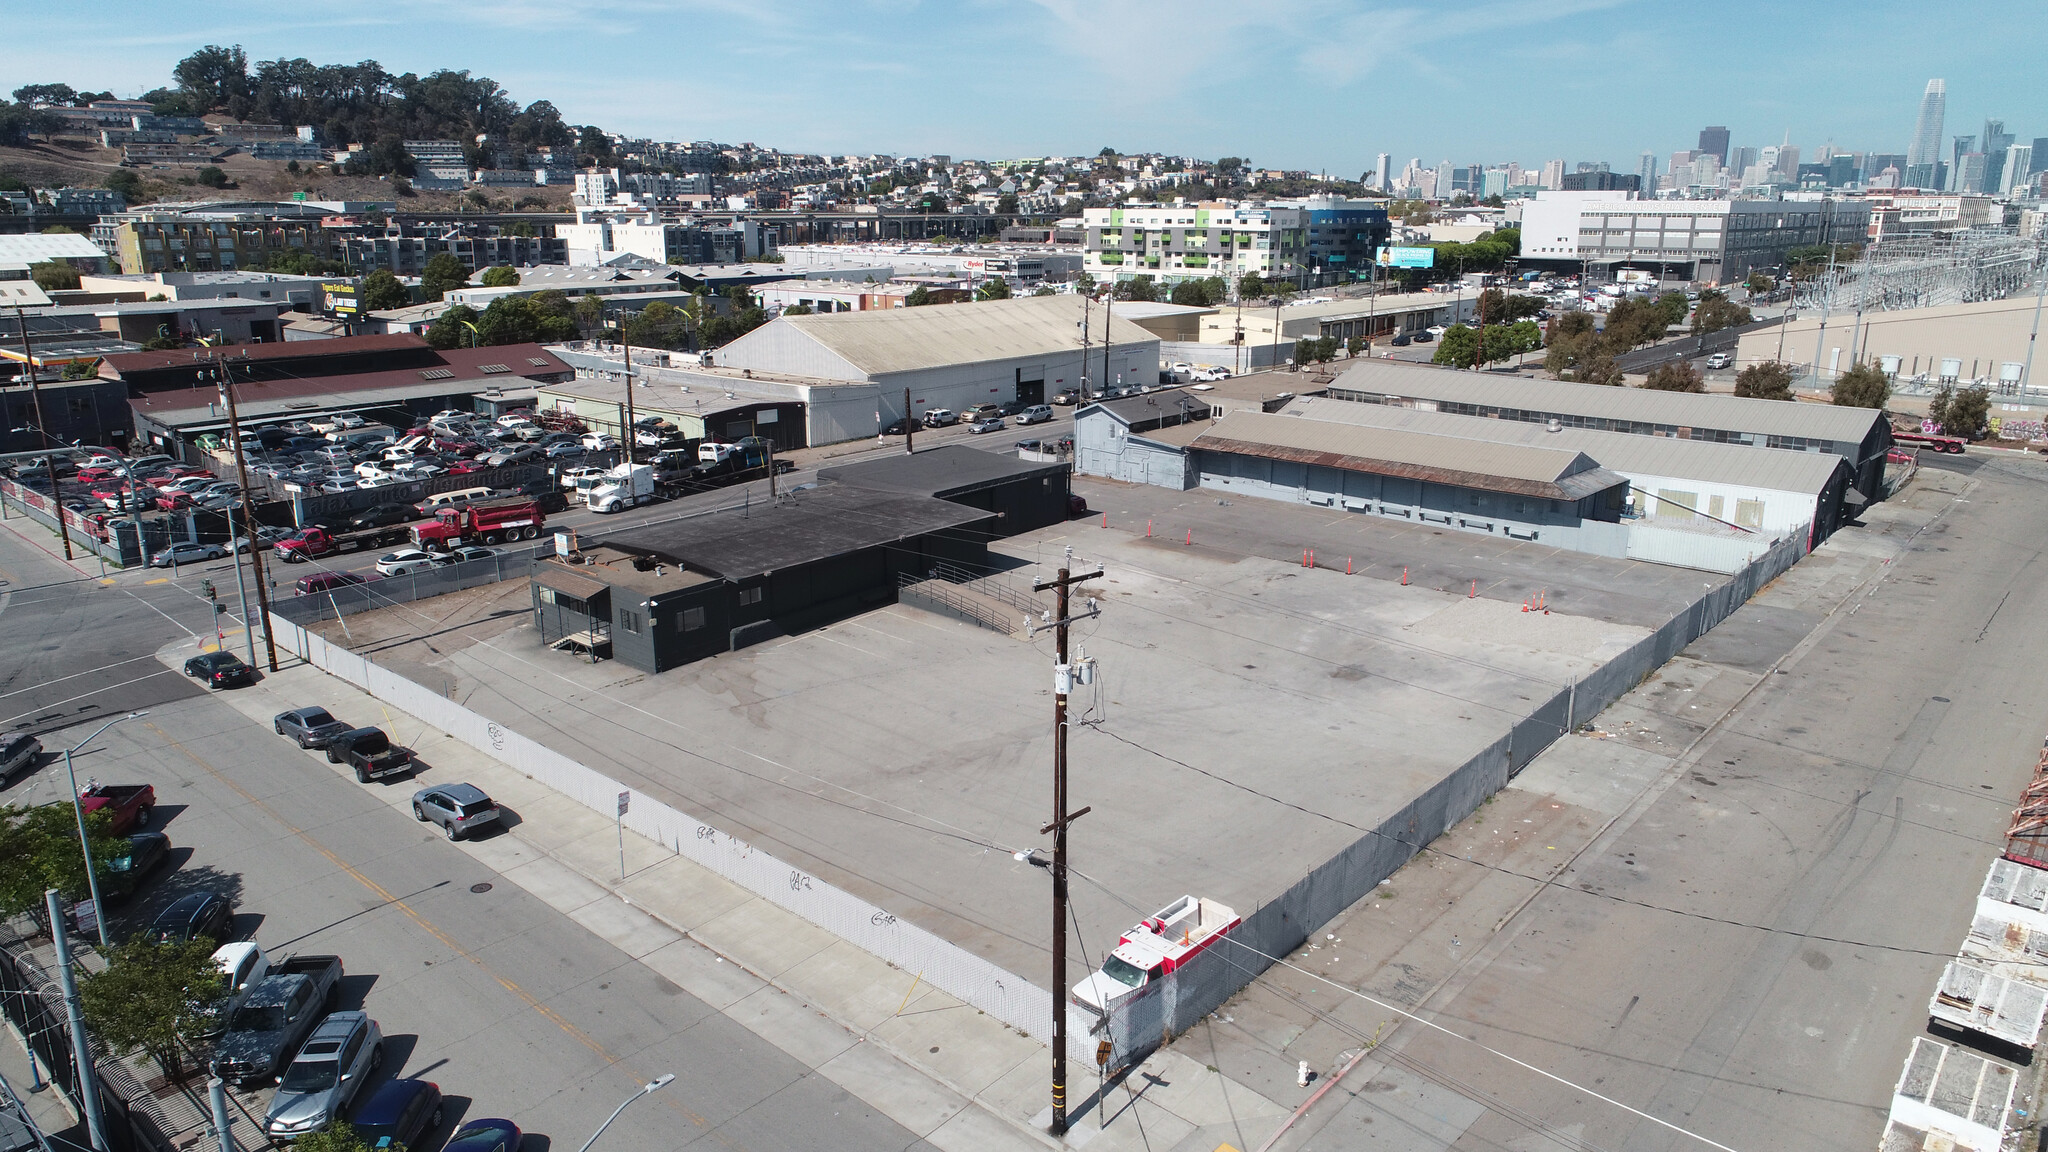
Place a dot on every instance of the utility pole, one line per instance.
(2027, 373)
(1108, 307)
(28, 368)
(909, 426)
(227, 395)
(1087, 311)
(81, 1044)
(1063, 679)
(1827, 302)
(632, 440)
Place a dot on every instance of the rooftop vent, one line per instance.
(537, 361)
(492, 368)
(1554, 426)
(437, 374)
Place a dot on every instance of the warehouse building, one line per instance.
(1021, 495)
(1984, 341)
(1673, 483)
(1860, 436)
(856, 367)
(1118, 439)
(1558, 496)
(663, 595)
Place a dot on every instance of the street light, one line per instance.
(659, 1082)
(92, 873)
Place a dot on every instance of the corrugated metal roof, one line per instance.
(940, 335)
(1680, 409)
(36, 247)
(1548, 473)
(1779, 469)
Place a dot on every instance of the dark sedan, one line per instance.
(126, 873)
(488, 1135)
(191, 917)
(311, 727)
(383, 516)
(220, 670)
(401, 1112)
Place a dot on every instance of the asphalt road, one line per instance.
(511, 1007)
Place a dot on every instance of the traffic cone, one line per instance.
(1105, 519)
(1474, 594)
(1191, 536)
(1404, 577)
(1148, 529)
(1347, 565)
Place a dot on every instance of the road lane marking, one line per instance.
(159, 580)
(447, 941)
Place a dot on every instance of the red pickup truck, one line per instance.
(307, 543)
(481, 524)
(128, 805)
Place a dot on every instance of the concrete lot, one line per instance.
(903, 757)
(1757, 863)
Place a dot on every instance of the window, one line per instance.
(1749, 513)
(693, 619)
(1674, 505)
(750, 596)
(630, 621)
(1714, 507)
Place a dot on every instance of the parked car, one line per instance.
(243, 965)
(310, 727)
(18, 753)
(487, 1135)
(266, 535)
(459, 555)
(1401, 340)
(1719, 360)
(985, 424)
(563, 450)
(370, 753)
(940, 418)
(599, 442)
(1424, 336)
(265, 1031)
(570, 476)
(459, 809)
(194, 916)
(124, 874)
(518, 454)
(1076, 504)
(1036, 414)
(326, 1075)
(219, 670)
(186, 552)
(320, 582)
(401, 1113)
(403, 562)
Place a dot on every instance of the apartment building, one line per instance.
(1176, 242)
(1894, 214)
(1704, 241)
(145, 242)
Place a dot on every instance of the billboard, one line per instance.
(338, 298)
(1408, 257)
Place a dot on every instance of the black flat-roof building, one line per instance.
(1020, 494)
(667, 594)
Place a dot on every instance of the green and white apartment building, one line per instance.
(1173, 243)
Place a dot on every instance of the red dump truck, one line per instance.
(490, 523)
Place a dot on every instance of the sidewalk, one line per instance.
(958, 1078)
(49, 1110)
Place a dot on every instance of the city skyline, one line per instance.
(874, 76)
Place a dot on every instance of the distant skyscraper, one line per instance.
(1969, 174)
(1962, 145)
(1996, 141)
(1646, 167)
(1383, 172)
(1714, 142)
(1788, 160)
(1553, 174)
(2040, 155)
(2019, 166)
(1926, 147)
(1443, 180)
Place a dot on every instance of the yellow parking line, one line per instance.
(159, 580)
(107, 581)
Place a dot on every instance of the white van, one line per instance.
(455, 499)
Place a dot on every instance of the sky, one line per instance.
(1321, 85)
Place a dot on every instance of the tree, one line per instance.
(1769, 380)
(1250, 286)
(339, 1136)
(1498, 307)
(444, 271)
(60, 94)
(918, 298)
(1457, 347)
(214, 77)
(501, 276)
(1007, 205)
(1356, 345)
(39, 850)
(381, 292)
(448, 331)
(1044, 290)
(299, 262)
(126, 182)
(212, 177)
(1716, 312)
(1862, 386)
(1204, 293)
(994, 288)
(54, 276)
(589, 312)
(1968, 414)
(1141, 288)
(1675, 376)
(150, 996)
(1758, 282)
(797, 310)
(1674, 306)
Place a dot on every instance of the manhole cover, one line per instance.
(480, 887)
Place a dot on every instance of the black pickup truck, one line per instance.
(370, 752)
(275, 1017)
